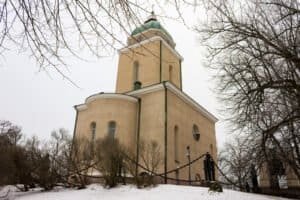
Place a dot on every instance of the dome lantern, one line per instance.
(150, 28)
(151, 17)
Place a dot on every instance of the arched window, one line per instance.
(135, 71)
(93, 130)
(112, 129)
(176, 144)
(170, 73)
(196, 133)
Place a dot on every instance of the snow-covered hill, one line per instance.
(164, 192)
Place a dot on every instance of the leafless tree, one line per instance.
(237, 159)
(47, 164)
(150, 158)
(109, 156)
(51, 30)
(80, 160)
(10, 132)
(54, 29)
(60, 155)
(254, 46)
(10, 136)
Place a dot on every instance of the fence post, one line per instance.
(188, 154)
(177, 176)
(212, 165)
(209, 169)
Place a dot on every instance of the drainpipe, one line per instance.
(160, 61)
(138, 135)
(166, 132)
(180, 74)
(73, 139)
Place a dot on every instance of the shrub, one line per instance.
(215, 187)
(109, 156)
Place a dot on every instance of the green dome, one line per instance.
(150, 24)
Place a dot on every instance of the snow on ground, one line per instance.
(129, 192)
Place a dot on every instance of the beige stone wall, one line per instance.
(292, 180)
(152, 120)
(149, 70)
(263, 176)
(104, 110)
(148, 57)
(169, 59)
(184, 116)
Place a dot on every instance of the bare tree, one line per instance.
(151, 156)
(20, 161)
(237, 159)
(254, 46)
(54, 29)
(116, 161)
(59, 150)
(46, 164)
(35, 165)
(109, 157)
(80, 160)
(10, 136)
(10, 133)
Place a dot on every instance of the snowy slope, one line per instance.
(164, 192)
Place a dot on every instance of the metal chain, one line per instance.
(223, 174)
(163, 175)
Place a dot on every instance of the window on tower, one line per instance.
(170, 73)
(176, 144)
(196, 133)
(135, 71)
(112, 129)
(93, 130)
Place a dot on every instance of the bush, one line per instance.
(109, 156)
(150, 158)
(215, 187)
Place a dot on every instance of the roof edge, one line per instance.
(94, 97)
(154, 38)
(171, 87)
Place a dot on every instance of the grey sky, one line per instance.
(41, 102)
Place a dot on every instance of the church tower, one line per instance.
(150, 58)
(149, 105)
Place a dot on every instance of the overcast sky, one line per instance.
(42, 101)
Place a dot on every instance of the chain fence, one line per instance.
(164, 174)
(177, 169)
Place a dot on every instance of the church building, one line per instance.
(149, 104)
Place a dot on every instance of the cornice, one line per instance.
(110, 96)
(190, 101)
(94, 97)
(154, 38)
(154, 29)
(133, 97)
(172, 88)
(145, 90)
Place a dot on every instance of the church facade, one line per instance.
(149, 104)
